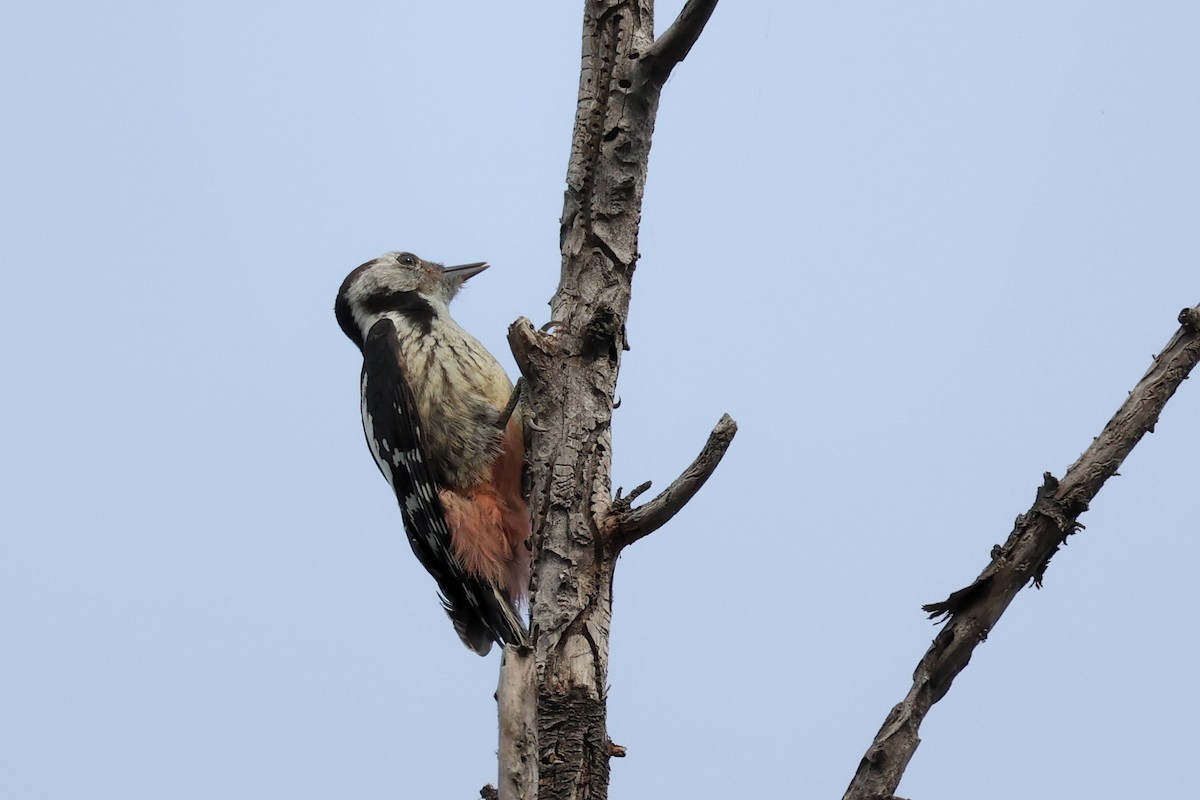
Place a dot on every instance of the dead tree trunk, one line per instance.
(554, 741)
(557, 746)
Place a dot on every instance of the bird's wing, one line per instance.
(481, 613)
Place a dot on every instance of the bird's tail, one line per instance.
(483, 615)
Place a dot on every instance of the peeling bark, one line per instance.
(571, 372)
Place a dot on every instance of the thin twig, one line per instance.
(1022, 559)
(630, 524)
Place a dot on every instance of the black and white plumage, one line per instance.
(432, 405)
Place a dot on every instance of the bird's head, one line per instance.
(397, 282)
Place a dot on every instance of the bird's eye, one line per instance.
(408, 259)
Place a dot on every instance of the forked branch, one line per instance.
(1022, 559)
(676, 41)
(630, 524)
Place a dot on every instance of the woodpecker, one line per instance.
(437, 411)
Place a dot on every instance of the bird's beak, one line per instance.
(464, 271)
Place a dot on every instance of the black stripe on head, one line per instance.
(341, 306)
(410, 303)
(345, 320)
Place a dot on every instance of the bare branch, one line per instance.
(1023, 558)
(630, 524)
(676, 41)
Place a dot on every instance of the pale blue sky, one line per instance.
(919, 250)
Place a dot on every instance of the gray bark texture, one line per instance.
(973, 611)
(554, 740)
